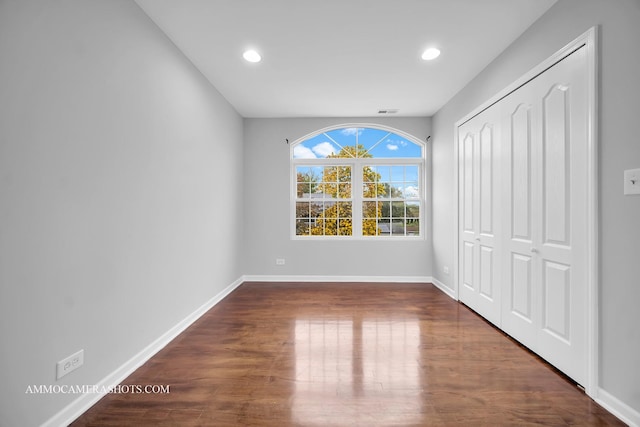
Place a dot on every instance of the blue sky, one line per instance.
(381, 144)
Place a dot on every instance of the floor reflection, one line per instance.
(370, 363)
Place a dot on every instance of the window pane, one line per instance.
(315, 209)
(369, 174)
(330, 210)
(413, 210)
(344, 210)
(385, 209)
(369, 227)
(413, 227)
(330, 190)
(344, 191)
(397, 209)
(369, 190)
(397, 173)
(330, 174)
(397, 190)
(302, 210)
(302, 227)
(411, 173)
(330, 228)
(411, 190)
(384, 227)
(397, 228)
(304, 190)
(383, 173)
(344, 227)
(369, 209)
(344, 174)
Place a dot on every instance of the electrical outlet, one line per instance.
(69, 364)
(279, 261)
(445, 269)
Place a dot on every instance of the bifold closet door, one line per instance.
(545, 194)
(479, 203)
(523, 183)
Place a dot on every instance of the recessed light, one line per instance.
(252, 56)
(431, 53)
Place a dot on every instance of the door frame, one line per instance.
(588, 40)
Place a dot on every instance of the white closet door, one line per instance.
(519, 310)
(546, 200)
(479, 201)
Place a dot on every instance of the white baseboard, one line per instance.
(618, 408)
(444, 288)
(337, 279)
(79, 406)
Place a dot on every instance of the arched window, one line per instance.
(357, 181)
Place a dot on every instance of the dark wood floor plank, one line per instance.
(347, 354)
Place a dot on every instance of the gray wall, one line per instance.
(267, 216)
(619, 280)
(120, 183)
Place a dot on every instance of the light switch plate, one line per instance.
(632, 181)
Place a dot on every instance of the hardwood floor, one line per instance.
(305, 354)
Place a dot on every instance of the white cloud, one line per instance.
(411, 192)
(397, 142)
(302, 152)
(323, 149)
(392, 147)
(351, 131)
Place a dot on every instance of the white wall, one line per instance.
(267, 215)
(619, 22)
(120, 182)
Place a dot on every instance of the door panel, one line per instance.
(468, 266)
(487, 282)
(521, 303)
(519, 317)
(486, 181)
(468, 183)
(520, 145)
(562, 256)
(479, 218)
(557, 300)
(556, 167)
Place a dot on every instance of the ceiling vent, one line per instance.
(388, 111)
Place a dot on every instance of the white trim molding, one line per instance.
(79, 406)
(444, 288)
(618, 408)
(338, 279)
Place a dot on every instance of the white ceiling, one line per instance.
(341, 58)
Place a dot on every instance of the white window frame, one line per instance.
(357, 165)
